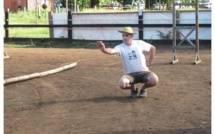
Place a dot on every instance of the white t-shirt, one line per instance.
(133, 57)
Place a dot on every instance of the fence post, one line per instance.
(51, 29)
(140, 24)
(6, 24)
(69, 27)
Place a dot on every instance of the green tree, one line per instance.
(149, 3)
(169, 3)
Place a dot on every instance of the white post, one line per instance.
(39, 13)
(75, 6)
(67, 6)
(78, 9)
(58, 9)
(25, 10)
(132, 4)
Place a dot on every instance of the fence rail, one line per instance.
(69, 26)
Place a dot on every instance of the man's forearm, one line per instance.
(152, 54)
(108, 51)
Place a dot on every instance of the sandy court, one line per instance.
(87, 100)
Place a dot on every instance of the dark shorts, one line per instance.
(138, 77)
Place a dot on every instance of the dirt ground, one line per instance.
(87, 100)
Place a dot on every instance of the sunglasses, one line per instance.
(125, 35)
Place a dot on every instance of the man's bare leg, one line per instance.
(152, 81)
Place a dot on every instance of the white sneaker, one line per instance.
(143, 93)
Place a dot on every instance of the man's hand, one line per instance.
(148, 64)
(100, 45)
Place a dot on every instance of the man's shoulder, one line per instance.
(141, 42)
(120, 45)
(138, 41)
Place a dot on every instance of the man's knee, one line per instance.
(153, 80)
(124, 83)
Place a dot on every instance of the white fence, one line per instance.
(111, 33)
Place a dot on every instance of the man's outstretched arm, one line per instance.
(101, 46)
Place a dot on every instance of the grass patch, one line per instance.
(28, 17)
(29, 33)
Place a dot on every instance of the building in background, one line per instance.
(15, 5)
